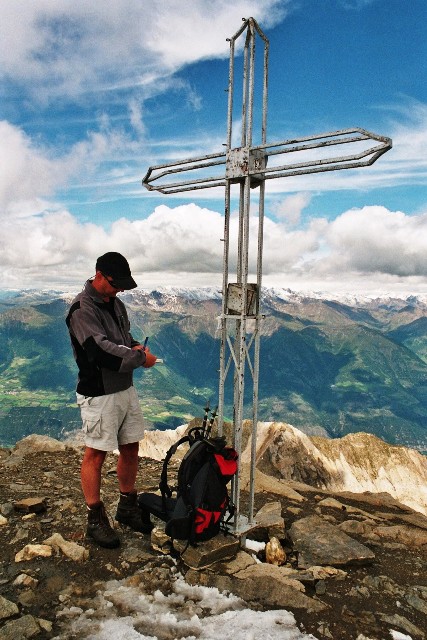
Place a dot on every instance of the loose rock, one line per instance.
(274, 552)
(70, 549)
(30, 505)
(31, 551)
(8, 609)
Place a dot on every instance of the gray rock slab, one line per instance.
(30, 505)
(321, 543)
(268, 522)
(135, 554)
(278, 486)
(413, 537)
(404, 624)
(242, 561)
(262, 585)
(417, 603)
(415, 519)
(7, 609)
(24, 627)
(207, 553)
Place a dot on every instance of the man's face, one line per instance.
(107, 286)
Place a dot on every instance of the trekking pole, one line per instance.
(211, 421)
(205, 418)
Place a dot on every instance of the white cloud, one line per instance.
(404, 164)
(356, 4)
(290, 208)
(186, 37)
(31, 173)
(56, 49)
(59, 47)
(409, 137)
(27, 172)
(375, 240)
(360, 250)
(136, 119)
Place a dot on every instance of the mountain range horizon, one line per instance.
(329, 365)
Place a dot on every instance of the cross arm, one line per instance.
(242, 162)
(372, 146)
(157, 172)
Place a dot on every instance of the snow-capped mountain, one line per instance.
(327, 366)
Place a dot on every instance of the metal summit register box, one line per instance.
(235, 299)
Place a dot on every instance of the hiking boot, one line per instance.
(99, 528)
(129, 513)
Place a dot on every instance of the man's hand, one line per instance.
(150, 359)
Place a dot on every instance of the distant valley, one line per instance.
(328, 367)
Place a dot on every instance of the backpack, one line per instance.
(199, 510)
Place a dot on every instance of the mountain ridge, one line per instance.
(356, 463)
(326, 367)
(208, 292)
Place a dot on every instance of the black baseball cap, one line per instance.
(116, 266)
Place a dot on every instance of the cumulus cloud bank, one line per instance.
(182, 245)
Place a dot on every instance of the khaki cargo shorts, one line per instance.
(111, 420)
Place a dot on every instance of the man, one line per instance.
(106, 355)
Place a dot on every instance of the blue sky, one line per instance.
(93, 94)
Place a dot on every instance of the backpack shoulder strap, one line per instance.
(165, 489)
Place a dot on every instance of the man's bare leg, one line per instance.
(99, 528)
(127, 466)
(90, 474)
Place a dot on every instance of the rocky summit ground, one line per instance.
(349, 566)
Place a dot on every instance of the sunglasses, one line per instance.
(111, 281)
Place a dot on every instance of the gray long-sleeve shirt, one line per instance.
(102, 343)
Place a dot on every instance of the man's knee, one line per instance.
(129, 450)
(94, 458)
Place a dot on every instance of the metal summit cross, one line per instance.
(246, 166)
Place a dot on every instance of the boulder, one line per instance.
(321, 543)
(242, 561)
(413, 537)
(403, 623)
(219, 548)
(260, 583)
(36, 443)
(268, 522)
(20, 629)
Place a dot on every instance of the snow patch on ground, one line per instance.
(189, 612)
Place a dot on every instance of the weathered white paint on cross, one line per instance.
(247, 166)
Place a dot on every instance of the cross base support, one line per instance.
(241, 525)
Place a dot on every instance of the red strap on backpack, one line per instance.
(227, 461)
(204, 519)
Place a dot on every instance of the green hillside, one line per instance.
(325, 367)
